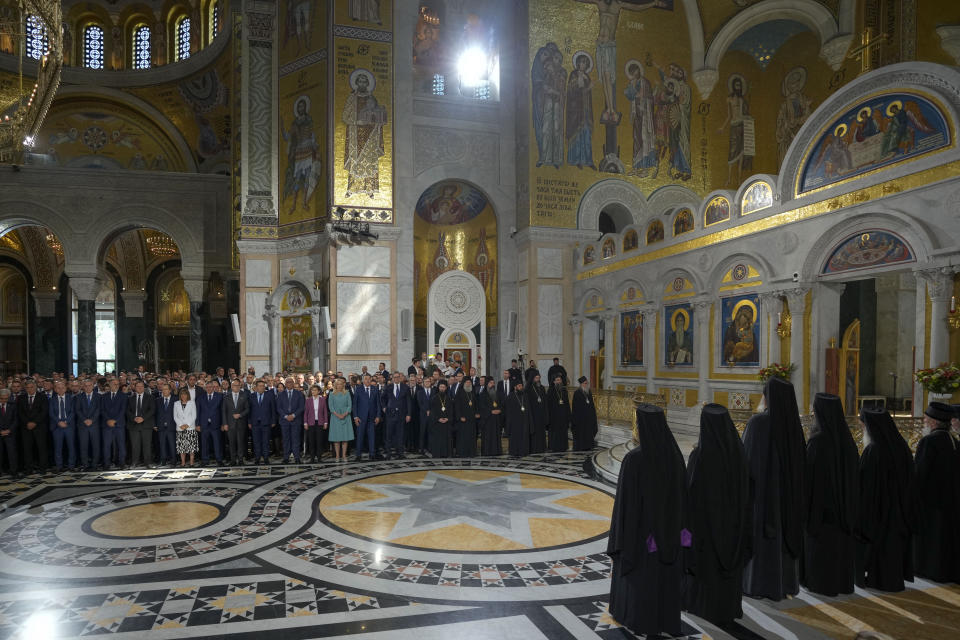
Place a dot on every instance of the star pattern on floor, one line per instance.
(500, 505)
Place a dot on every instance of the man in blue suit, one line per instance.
(63, 426)
(290, 404)
(396, 410)
(262, 416)
(208, 419)
(165, 426)
(425, 394)
(113, 425)
(86, 405)
(366, 416)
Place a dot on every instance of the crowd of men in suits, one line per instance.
(131, 419)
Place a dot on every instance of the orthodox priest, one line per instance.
(832, 493)
(646, 531)
(441, 421)
(936, 546)
(517, 421)
(720, 512)
(773, 441)
(558, 406)
(584, 422)
(467, 412)
(491, 420)
(539, 416)
(887, 499)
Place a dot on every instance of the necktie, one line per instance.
(89, 398)
(112, 396)
(3, 409)
(259, 398)
(209, 397)
(61, 408)
(428, 393)
(139, 401)
(166, 402)
(396, 391)
(234, 400)
(369, 392)
(30, 401)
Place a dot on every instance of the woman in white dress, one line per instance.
(185, 417)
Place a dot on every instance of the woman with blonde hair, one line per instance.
(185, 417)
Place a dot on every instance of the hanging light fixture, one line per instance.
(160, 245)
(54, 243)
(21, 118)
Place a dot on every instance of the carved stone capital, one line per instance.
(834, 51)
(194, 289)
(575, 323)
(46, 303)
(259, 210)
(797, 299)
(939, 281)
(86, 288)
(133, 303)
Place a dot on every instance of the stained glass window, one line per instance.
(93, 47)
(183, 38)
(37, 42)
(141, 47)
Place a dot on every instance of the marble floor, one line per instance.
(427, 548)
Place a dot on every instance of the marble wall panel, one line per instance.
(549, 318)
(257, 333)
(363, 318)
(258, 273)
(369, 262)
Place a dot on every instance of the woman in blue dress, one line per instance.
(341, 427)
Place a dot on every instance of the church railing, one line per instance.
(911, 428)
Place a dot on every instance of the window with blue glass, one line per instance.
(183, 38)
(37, 41)
(93, 47)
(141, 47)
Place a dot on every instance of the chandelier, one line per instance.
(21, 118)
(160, 245)
(54, 243)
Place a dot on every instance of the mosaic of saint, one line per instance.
(741, 334)
(449, 203)
(868, 249)
(678, 335)
(631, 338)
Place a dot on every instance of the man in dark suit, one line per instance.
(412, 432)
(475, 380)
(166, 427)
(113, 421)
(290, 405)
(141, 413)
(86, 405)
(262, 417)
(63, 426)
(412, 369)
(8, 432)
(209, 419)
(32, 410)
(396, 410)
(425, 394)
(366, 416)
(236, 408)
(516, 374)
(504, 387)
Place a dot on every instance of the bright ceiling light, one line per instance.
(472, 66)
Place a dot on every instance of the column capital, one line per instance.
(575, 322)
(194, 289)
(939, 281)
(86, 288)
(796, 298)
(133, 303)
(46, 303)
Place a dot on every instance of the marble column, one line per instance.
(45, 332)
(703, 349)
(577, 366)
(939, 287)
(257, 115)
(649, 344)
(86, 289)
(797, 301)
(772, 306)
(272, 317)
(318, 342)
(825, 320)
(194, 289)
(610, 328)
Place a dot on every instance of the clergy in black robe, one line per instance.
(518, 427)
(491, 420)
(557, 370)
(720, 512)
(441, 421)
(646, 530)
(539, 416)
(466, 411)
(937, 545)
(887, 504)
(773, 441)
(832, 493)
(584, 418)
(558, 408)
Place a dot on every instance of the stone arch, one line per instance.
(642, 288)
(619, 215)
(20, 213)
(147, 216)
(581, 305)
(605, 193)
(756, 260)
(899, 223)
(676, 272)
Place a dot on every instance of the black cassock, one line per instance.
(720, 512)
(490, 423)
(583, 420)
(441, 406)
(558, 405)
(773, 441)
(539, 417)
(465, 409)
(887, 505)
(937, 546)
(832, 494)
(645, 531)
(517, 422)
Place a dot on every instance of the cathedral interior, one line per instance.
(306, 186)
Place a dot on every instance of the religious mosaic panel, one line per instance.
(876, 133)
(302, 114)
(718, 210)
(678, 335)
(740, 331)
(631, 338)
(655, 232)
(757, 197)
(630, 240)
(868, 249)
(455, 228)
(296, 333)
(682, 222)
(363, 110)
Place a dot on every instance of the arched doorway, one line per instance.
(455, 229)
(457, 317)
(13, 321)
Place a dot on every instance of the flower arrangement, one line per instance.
(944, 378)
(777, 370)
